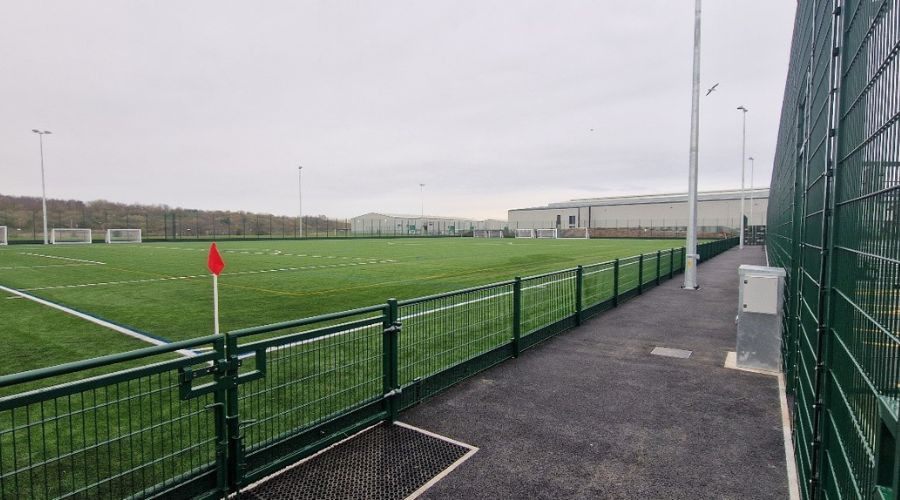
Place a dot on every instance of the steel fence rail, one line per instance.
(833, 225)
(257, 399)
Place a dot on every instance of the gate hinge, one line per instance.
(835, 51)
(837, 10)
(832, 132)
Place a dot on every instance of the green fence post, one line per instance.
(232, 416)
(671, 263)
(641, 274)
(579, 289)
(616, 283)
(517, 316)
(658, 257)
(219, 407)
(391, 362)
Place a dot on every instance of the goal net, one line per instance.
(524, 233)
(546, 233)
(123, 235)
(59, 236)
(487, 233)
(3, 239)
(575, 232)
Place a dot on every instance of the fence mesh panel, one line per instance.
(833, 225)
(124, 434)
(447, 330)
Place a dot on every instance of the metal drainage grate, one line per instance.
(384, 462)
(671, 353)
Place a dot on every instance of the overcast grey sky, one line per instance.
(213, 104)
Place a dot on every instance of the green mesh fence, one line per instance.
(834, 225)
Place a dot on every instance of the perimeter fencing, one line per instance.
(252, 401)
(834, 225)
(181, 224)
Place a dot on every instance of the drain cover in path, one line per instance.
(384, 462)
(671, 353)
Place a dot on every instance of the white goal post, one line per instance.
(524, 233)
(580, 233)
(487, 233)
(60, 236)
(3, 240)
(546, 233)
(123, 235)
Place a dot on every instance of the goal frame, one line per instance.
(4, 235)
(90, 238)
(528, 232)
(555, 233)
(487, 233)
(109, 233)
(585, 236)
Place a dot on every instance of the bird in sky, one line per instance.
(711, 89)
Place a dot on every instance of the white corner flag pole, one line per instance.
(216, 303)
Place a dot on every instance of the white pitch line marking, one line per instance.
(449, 469)
(195, 276)
(62, 258)
(307, 459)
(117, 328)
(45, 266)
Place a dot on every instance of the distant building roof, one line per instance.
(653, 198)
(413, 216)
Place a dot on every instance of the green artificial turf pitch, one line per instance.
(164, 289)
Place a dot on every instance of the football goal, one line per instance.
(487, 233)
(123, 235)
(546, 233)
(524, 233)
(61, 235)
(3, 239)
(580, 233)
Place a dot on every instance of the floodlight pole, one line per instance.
(690, 265)
(750, 218)
(300, 198)
(422, 197)
(43, 183)
(743, 168)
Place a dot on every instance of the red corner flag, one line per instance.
(214, 262)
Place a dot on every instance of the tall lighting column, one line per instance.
(43, 184)
(743, 162)
(300, 198)
(690, 265)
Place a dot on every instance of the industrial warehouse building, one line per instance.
(716, 211)
(382, 224)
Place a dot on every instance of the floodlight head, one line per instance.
(48, 132)
(36, 131)
(743, 109)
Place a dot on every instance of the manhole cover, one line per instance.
(671, 353)
(384, 462)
